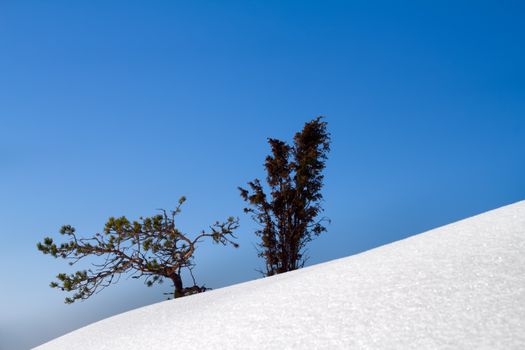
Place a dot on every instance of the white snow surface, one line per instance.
(457, 286)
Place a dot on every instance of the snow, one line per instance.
(457, 286)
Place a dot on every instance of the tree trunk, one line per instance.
(177, 284)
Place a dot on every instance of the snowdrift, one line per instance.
(458, 286)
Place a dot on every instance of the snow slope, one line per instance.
(458, 286)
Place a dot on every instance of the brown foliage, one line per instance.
(289, 215)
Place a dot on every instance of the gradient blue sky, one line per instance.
(120, 107)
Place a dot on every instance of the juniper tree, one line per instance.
(288, 214)
(151, 247)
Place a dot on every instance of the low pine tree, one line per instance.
(151, 247)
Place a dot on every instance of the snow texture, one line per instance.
(458, 286)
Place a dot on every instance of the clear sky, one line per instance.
(120, 107)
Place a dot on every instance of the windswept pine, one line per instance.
(151, 247)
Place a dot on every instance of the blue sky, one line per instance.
(121, 107)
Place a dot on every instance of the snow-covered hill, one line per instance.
(458, 286)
